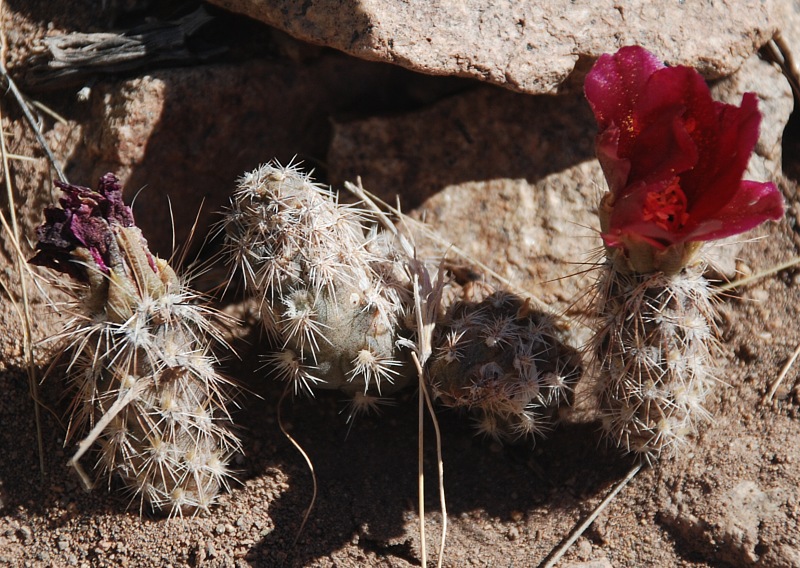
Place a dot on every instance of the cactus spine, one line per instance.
(504, 363)
(141, 367)
(329, 291)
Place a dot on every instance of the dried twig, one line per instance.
(781, 53)
(556, 555)
(76, 57)
(782, 375)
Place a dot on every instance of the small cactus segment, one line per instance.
(140, 362)
(330, 293)
(653, 346)
(504, 363)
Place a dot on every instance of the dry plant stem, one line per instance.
(27, 335)
(20, 260)
(47, 110)
(308, 462)
(752, 278)
(758, 275)
(439, 461)
(421, 478)
(101, 424)
(22, 103)
(781, 52)
(425, 320)
(32, 121)
(20, 158)
(782, 375)
(556, 555)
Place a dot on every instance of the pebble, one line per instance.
(27, 534)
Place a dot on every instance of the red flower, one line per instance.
(672, 156)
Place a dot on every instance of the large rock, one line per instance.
(530, 47)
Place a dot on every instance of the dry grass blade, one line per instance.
(14, 235)
(300, 449)
(439, 463)
(21, 265)
(427, 296)
(423, 543)
(450, 247)
(782, 375)
(32, 121)
(101, 425)
(752, 278)
(758, 275)
(556, 555)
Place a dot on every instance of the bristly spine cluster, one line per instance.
(505, 364)
(145, 383)
(329, 285)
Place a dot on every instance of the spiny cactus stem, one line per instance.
(132, 393)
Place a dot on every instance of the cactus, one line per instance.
(330, 293)
(141, 366)
(504, 363)
(674, 160)
(654, 344)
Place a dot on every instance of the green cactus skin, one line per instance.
(653, 346)
(330, 291)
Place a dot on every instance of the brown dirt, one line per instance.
(730, 499)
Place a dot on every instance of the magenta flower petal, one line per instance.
(724, 156)
(615, 82)
(672, 156)
(753, 204)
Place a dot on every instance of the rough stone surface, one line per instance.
(590, 564)
(196, 130)
(738, 523)
(526, 46)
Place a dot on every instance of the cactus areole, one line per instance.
(674, 159)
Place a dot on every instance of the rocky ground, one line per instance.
(496, 155)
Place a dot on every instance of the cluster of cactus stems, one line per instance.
(336, 300)
(330, 288)
(503, 362)
(146, 392)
